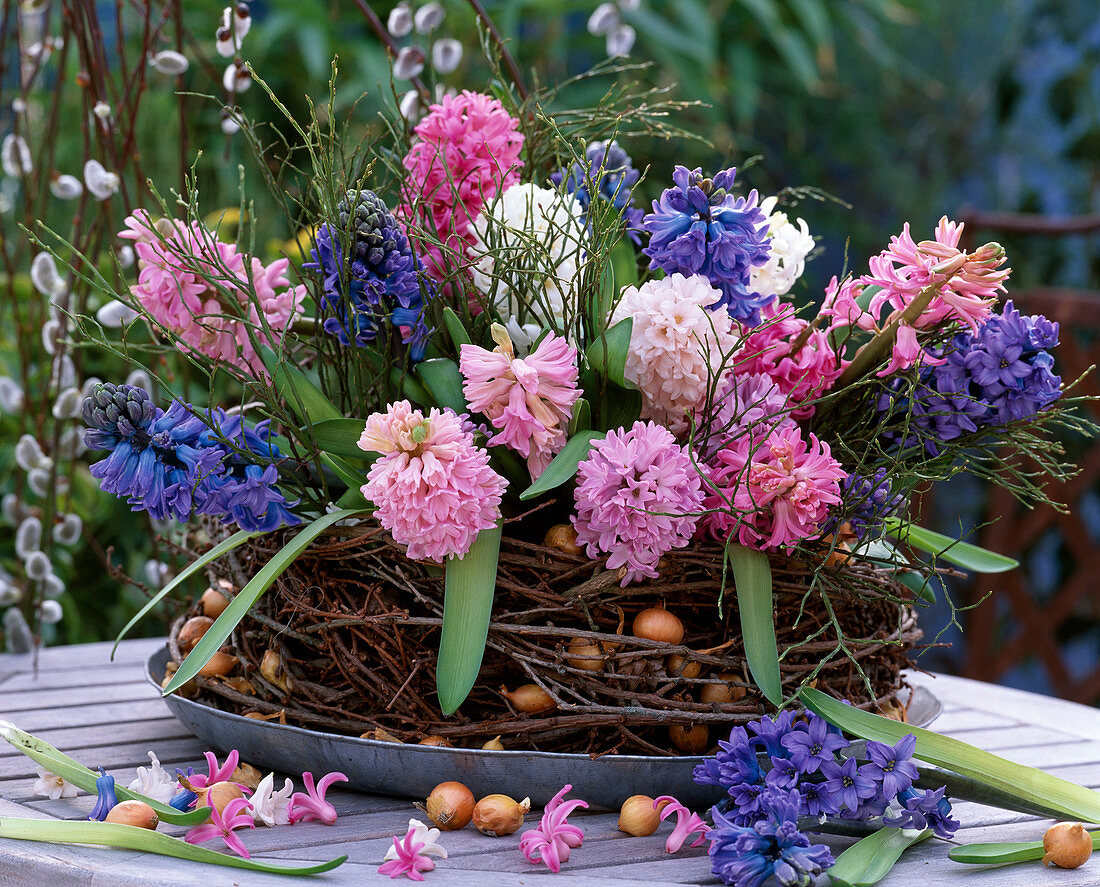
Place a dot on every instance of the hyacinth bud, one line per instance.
(66, 187)
(67, 531)
(118, 409)
(67, 405)
(446, 55)
(50, 612)
(11, 395)
(10, 593)
(604, 17)
(38, 479)
(37, 566)
(115, 314)
(170, 62)
(372, 225)
(988, 254)
(429, 17)
(17, 634)
(620, 41)
(409, 63)
(52, 586)
(28, 538)
(100, 183)
(15, 156)
(400, 21)
(28, 454)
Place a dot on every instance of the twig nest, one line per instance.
(499, 815)
(191, 632)
(679, 666)
(213, 603)
(450, 806)
(691, 739)
(586, 655)
(658, 624)
(638, 816)
(136, 813)
(1067, 845)
(221, 663)
(564, 538)
(529, 698)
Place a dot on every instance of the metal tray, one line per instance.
(390, 768)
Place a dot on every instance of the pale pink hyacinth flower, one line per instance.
(433, 487)
(530, 400)
(222, 825)
(269, 806)
(218, 301)
(412, 854)
(312, 805)
(773, 493)
(554, 838)
(215, 773)
(677, 345)
(687, 824)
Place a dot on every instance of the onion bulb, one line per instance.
(586, 655)
(499, 815)
(658, 624)
(450, 806)
(218, 795)
(1067, 845)
(564, 538)
(638, 816)
(679, 666)
(134, 813)
(722, 693)
(529, 698)
(192, 631)
(692, 740)
(213, 603)
(494, 744)
(274, 672)
(217, 665)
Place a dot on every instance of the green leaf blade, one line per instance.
(962, 554)
(870, 859)
(469, 587)
(443, 379)
(223, 626)
(340, 437)
(455, 329)
(606, 356)
(564, 465)
(752, 579)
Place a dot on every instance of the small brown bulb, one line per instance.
(564, 538)
(586, 655)
(438, 741)
(218, 665)
(494, 744)
(450, 806)
(213, 603)
(658, 624)
(638, 816)
(679, 666)
(274, 672)
(218, 795)
(192, 631)
(1067, 845)
(529, 698)
(499, 815)
(136, 813)
(722, 693)
(690, 739)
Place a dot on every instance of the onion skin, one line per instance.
(219, 794)
(438, 741)
(564, 538)
(217, 665)
(499, 815)
(722, 693)
(192, 631)
(692, 740)
(529, 698)
(1067, 845)
(450, 806)
(638, 816)
(494, 744)
(679, 666)
(586, 655)
(213, 603)
(134, 813)
(658, 624)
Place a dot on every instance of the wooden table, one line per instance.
(104, 713)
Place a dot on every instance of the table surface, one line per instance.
(105, 713)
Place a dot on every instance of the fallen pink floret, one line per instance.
(411, 855)
(215, 773)
(553, 840)
(687, 824)
(222, 825)
(313, 806)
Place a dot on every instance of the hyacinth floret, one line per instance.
(927, 808)
(637, 497)
(870, 499)
(750, 404)
(606, 173)
(373, 280)
(699, 227)
(892, 765)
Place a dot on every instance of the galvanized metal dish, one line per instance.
(390, 768)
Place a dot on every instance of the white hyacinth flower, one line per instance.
(400, 20)
(409, 63)
(50, 612)
(620, 41)
(154, 781)
(66, 187)
(115, 314)
(15, 156)
(11, 395)
(52, 786)
(170, 62)
(429, 17)
(604, 17)
(100, 183)
(44, 275)
(270, 806)
(446, 55)
(28, 538)
(790, 245)
(429, 837)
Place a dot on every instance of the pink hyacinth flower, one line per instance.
(530, 400)
(687, 823)
(554, 839)
(215, 773)
(313, 805)
(235, 815)
(410, 854)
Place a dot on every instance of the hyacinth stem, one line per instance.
(506, 57)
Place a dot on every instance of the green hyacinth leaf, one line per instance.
(961, 554)
(606, 356)
(870, 859)
(223, 626)
(564, 465)
(131, 837)
(443, 379)
(752, 579)
(1009, 851)
(469, 586)
(455, 329)
(340, 437)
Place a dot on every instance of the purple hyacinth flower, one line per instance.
(848, 783)
(812, 746)
(892, 765)
(925, 809)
